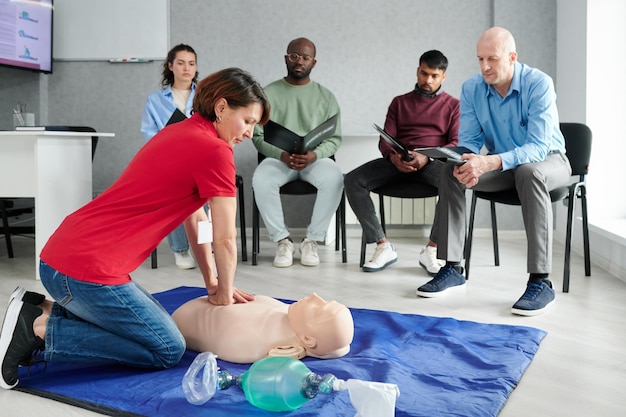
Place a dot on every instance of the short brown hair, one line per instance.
(236, 86)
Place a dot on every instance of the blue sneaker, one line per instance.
(535, 300)
(448, 278)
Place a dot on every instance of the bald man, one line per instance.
(510, 109)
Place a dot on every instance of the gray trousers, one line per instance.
(359, 182)
(533, 183)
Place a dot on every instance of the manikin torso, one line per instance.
(241, 333)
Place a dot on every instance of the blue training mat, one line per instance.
(442, 366)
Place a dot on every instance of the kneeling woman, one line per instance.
(99, 313)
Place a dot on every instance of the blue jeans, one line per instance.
(108, 323)
(177, 239)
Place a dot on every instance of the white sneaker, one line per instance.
(308, 249)
(384, 256)
(184, 260)
(428, 260)
(284, 253)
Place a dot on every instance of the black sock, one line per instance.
(537, 278)
(456, 265)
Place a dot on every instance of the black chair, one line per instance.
(299, 187)
(402, 189)
(578, 138)
(7, 205)
(8, 210)
(242, 225)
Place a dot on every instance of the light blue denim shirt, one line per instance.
(522, 127)
(159, 108)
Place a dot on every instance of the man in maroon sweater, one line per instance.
(424, 117)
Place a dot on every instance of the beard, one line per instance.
(424, 88)
(301, 74)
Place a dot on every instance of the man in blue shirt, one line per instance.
(510, 109)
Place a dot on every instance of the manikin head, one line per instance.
(324, 328)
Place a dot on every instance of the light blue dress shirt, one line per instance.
(159, 108)
(521, 127)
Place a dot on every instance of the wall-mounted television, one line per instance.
(26, 34)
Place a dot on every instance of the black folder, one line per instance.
(177, 116)
(291, 142)
(451, 155)
(397, 146)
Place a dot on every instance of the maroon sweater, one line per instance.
(419, 121)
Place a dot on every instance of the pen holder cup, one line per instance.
(23, 119)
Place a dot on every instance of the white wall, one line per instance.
(590, 89)
(606, 107)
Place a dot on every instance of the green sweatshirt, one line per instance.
(300, 108)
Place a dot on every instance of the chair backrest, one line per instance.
(578, 139)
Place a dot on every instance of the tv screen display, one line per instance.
(26, 34)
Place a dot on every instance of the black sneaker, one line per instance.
(536, 299)
(448, 278)
(28, 297)
(17, 340)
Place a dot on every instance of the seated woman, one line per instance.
(247, 332)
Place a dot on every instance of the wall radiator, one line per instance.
(401, 211)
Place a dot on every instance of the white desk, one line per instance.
(54, 168)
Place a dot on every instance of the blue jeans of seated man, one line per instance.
(376, 173)
(272, 173)
(177, 239)
(108, 324)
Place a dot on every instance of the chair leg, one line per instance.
(568, 238)
(342, 213)
(470, 236)
(494, 234)
(363, 249)
(153, 259)
(337, 227)
(242, 219)
(255, 230)
(7, 230)
(583, 204)
(381, 209)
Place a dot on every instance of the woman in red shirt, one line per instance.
(99, 313)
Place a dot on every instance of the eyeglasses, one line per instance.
(293, 57)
